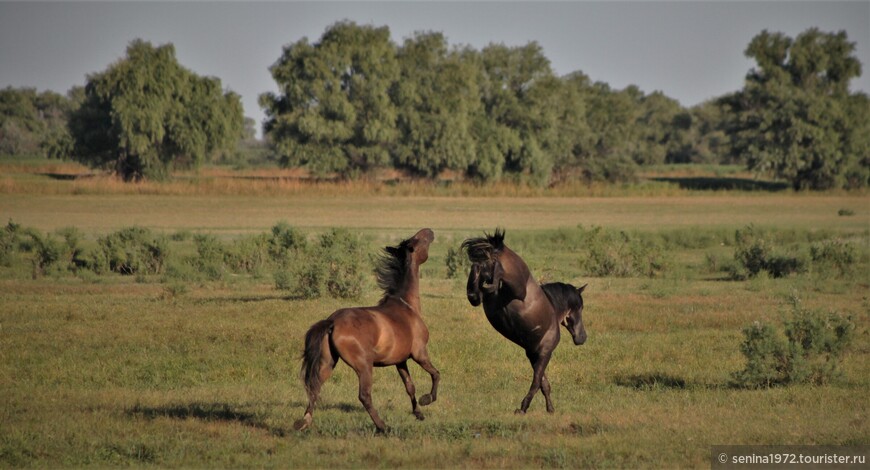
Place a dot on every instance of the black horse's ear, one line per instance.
(582, 288)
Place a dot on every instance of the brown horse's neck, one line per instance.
(411, 292)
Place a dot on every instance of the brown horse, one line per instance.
(521, 310)
(387, 334)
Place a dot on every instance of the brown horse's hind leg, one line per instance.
(409, 387)
(426, 364)
(326, 367)
(365, 395)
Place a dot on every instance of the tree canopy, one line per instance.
(146, 113)
(795, 118)
(353, 101)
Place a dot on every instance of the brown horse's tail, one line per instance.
(313, 354)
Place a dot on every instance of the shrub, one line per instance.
(754, 253)
(342, 255)
(834, 255)
(10, 240)
(456, 262)
(132, 250)
(808, 352)
(47, 253)
(248, 255)
(331, 267)
(285, 240)
(210, 259)
(845, 212)
(621, 255)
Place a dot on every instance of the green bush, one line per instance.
(620, 254)
(133, 250)
(456, 263)
(333, 266)
(342, 255)
(10, 241)
(249, 255)
(808, 350)
(834, 256)
(210, 259)
(285, 240)
(755, 253)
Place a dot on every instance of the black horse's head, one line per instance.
(567, 301)
(495, 269)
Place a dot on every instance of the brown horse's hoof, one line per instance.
(426, 400)
(519, 412)
(302, 424)
(551, 410)
(419, 416)
(381, 431)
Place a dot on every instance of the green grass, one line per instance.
(116, 370)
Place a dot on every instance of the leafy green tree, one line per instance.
(146, 114)
(436, 98)
(611, 117)
(333, 112)
(795, 118)
(519, 121)
(707, 140)
(33, 123)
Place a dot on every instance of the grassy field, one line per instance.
(117, 370)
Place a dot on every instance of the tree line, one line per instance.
(354, 101)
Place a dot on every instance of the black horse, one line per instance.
(521, 310)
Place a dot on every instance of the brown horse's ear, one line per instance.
(582, 288)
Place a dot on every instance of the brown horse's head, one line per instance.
(398, 263)
(495, 269)
(567, 302)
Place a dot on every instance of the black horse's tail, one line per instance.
(313, 354)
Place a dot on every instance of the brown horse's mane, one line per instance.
(391, 269)
(483, 248)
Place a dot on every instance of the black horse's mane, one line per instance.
(563, 297)
(391, 269)
(482, 248)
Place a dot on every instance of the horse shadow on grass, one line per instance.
(226, 413)
(207, 412)
(651, 381)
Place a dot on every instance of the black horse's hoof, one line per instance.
(519, 412)
(426, 400)
(419, 416)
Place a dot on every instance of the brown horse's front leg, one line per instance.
(409, 387)
(539, 365)
(426, 364)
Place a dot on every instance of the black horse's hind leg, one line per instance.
(539, 365)
(545, 389)
(409, 387)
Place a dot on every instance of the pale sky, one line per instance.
(689, 50)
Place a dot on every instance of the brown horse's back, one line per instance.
(373, 334)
